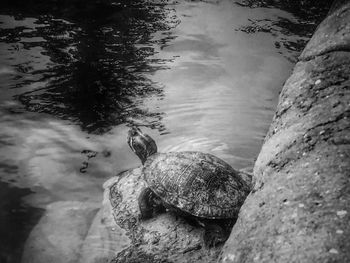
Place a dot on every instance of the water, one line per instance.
(195, 75)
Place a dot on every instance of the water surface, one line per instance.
(195, 75)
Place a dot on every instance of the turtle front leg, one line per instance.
(149, 204)
(214, 234)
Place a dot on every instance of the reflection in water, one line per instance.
(95, 72)
(221, 91)
(306, 16)
(84, 62)
(75, 74)
(45, 159)
(311, 11)
(16, 220)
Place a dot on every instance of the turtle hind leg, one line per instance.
(149, 204)
(215, 234)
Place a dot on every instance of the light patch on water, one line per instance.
(6, 70)
(46, 156)
(10, 22)
(221, 89)
(191, 144)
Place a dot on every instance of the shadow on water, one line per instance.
(99, 52)
(307, 15)
(16, 220)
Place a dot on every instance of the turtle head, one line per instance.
(141, 144)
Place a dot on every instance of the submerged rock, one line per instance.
(85, 232)
(164, 238)
(76, 232)
(104, 239)
(60, 233)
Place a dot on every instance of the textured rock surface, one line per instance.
(164, 238)
(299, 209)
(333, 34)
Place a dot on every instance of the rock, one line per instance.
(60, 233)
(298, 210)
(105, 238)
(164, 238)
(88, 233)
(333, 34)
(74, 231)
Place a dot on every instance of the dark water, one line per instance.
(74, 75)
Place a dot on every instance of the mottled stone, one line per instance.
(333, 34)
(298, 210)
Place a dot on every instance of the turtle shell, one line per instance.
(197, 183)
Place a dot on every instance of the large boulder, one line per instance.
(333, 34)
(299, 209)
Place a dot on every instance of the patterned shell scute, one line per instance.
(197, 183)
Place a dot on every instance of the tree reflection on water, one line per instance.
(78, 60)
(100, 53)
(307, 15)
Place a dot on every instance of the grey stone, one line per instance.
(333, 34)
(298, 210)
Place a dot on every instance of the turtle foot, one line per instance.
(149, 204)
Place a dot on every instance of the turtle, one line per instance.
(198, 186)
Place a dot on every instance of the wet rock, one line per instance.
(333, 33)
(105, 239)
(60, 233)
(298, 210)
(83, 232)
(164, 238)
